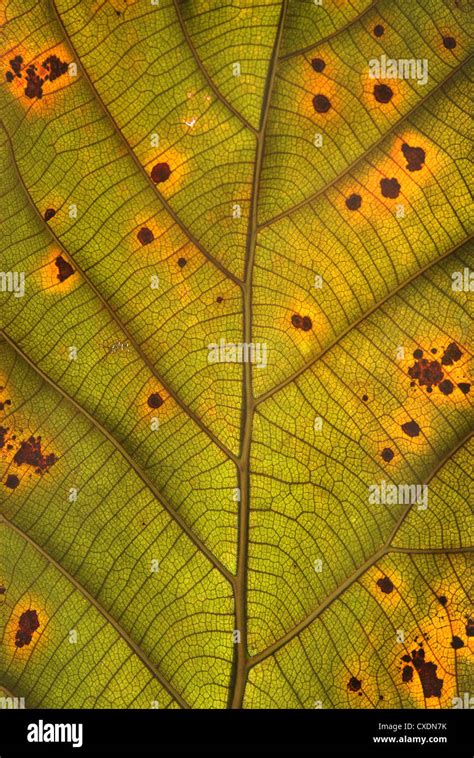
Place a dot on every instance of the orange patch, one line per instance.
(58, 274)
(42, 77)
(25, 627)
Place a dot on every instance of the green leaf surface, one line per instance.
(187, 528)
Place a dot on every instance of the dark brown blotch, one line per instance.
(65, 270)
(49, 213)
(318, 64)
(34, 84)
(407, 674)
(55, 67)
(160, 173)
(354, 684)
(426, 373)
(426, 670)
(451, 354)
(12, 482)
(449, 42)
(414, 156)
(446, 387)
(27, 625)
(182, 262)
(354, 202)
(383, 93)
(321, 103)
(385, 584)
(411, 429)
(145, 236)
(155, 400)
(30, 454)
(390, 188)
(464, 387)
(457, 642)
(387, 454)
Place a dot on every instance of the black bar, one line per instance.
(315, 732)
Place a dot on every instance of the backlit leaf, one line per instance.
(235, 392)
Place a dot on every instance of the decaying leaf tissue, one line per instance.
(235, 389)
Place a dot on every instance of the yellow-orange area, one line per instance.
(166, 411)
(398, 87)
(305, 340)
(177, 162)
(49, 271)
(38, 637)
(50, 89)
(434, 162)
(458, 372)
(315, 83)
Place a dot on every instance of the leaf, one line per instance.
(184, 525)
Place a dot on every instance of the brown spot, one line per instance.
(49, 213)
(321, 103)
(434, 350)
(145, 236)
(4, 403)
(390, 188)
(426, 373)
(365, 398)
(354, 202)
(27, 625)
(2, 590)
(318, 64)
(219, 299)
(379, 30)
(387, 454)
(449, 43)
(411, 428)
(65, 270)
(464, 387)
(182, 262)
(15, 65)
(55, 67)
(34, 84)
(385, 584)
(418, 353)
(301, 322)
(160, 173)
(9, 76)
(155, 401)
(443, 599)
(406, 658)
(30, 453)
(12, 482)
(3, 434)
(354, 684)
(414, 156)
(426, 670)
(407, 674)
(470, 628)
(451, 354)
(446, 387)
(383, 93)
(296, 320)
(457, 643)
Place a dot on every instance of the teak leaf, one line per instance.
(235, 404)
